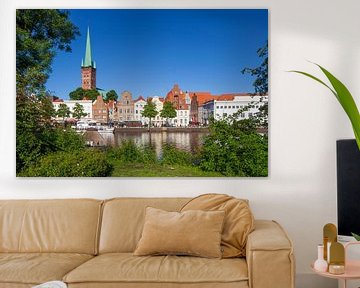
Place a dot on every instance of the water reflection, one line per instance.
(189, 141)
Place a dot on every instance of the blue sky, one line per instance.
(147, 51)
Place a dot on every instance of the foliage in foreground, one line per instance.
(40, 33)
(235, 151)
(129, 152)
(82, 163)
(171, 155)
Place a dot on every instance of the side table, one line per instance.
(352, 268)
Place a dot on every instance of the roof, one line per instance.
(202, 97)
(88, 59)
(139, 99)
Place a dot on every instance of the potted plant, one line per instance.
(344, 97)
(346, 100)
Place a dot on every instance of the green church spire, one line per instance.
(88, 60)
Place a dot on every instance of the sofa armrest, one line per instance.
(269, 256)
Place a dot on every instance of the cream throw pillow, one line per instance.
(193, 232)
(238, 223)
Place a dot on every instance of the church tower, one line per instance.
(88, 67)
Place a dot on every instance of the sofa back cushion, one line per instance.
(66, 226)
(123, 220)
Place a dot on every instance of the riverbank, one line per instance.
(162, 129)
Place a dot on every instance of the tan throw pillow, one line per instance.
(196, 233)
(239, 220)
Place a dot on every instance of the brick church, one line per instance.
(88, 67)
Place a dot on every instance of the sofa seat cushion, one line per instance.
(127, 268)
(36, 268)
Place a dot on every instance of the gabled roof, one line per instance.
(139, 99)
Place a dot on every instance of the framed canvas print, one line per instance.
(142, 93)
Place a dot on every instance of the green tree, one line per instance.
(149, 111)
(78, 111)
(80, 94)
(261, 72)
(261, 84)
(63, 111)
(235, 151)
(111, 95)
(168, 111)
(39, 34)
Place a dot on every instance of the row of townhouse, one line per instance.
(194, 108)
(123, 110)
(203, 105)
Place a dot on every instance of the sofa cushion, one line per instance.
(238, 223)
(193, 232)
(62, 226)
(123, 220)
(126, 268)
(36, 268)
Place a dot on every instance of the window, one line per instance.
(237, 107)
(225, 114)
(221, 107)
(218, 107)
(120, 110)
(242, 115)
(233, 107)
(136, 111)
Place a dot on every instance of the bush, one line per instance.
(68, 140)
(171, 155)
(128, 152)
(80, 163)
(235, 151)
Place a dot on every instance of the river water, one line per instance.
(189, 141)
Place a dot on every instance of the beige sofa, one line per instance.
(89, 243)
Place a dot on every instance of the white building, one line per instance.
(86, 104)
(158, 121)
(182, 118)
(221, 109)
(138, 108)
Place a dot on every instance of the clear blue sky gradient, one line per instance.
(147, 51)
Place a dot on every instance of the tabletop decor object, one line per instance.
(337, 258)
(329, 236)
(320, 264)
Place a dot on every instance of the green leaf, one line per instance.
(344, 97)
(356, 236)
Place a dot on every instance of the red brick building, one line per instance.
(100, 110)
(88, 67)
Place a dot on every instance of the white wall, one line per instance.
(305, 120)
